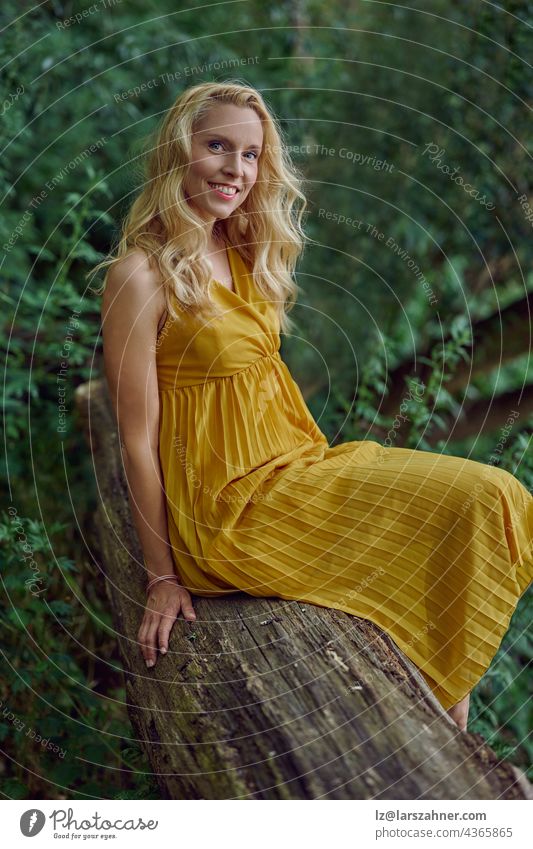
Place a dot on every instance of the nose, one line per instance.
(233, 164)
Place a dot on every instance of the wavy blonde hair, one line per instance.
(266, 229)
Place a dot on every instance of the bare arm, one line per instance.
(132, 305)
(130, 314)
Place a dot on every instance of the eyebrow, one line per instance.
(224, 138)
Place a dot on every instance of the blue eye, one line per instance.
(253, 153)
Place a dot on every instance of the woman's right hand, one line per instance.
(163, 604)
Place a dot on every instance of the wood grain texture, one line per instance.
(274, 699)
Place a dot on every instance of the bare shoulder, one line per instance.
(134, 283)
(133, 271)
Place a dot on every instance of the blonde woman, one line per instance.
(232, 484)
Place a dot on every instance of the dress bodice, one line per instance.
(188, 353)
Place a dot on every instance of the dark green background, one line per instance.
(376, 79)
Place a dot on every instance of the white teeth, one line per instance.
(226, 190)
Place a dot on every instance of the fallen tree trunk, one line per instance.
(483, 416)
(496, 340)
(273, 699)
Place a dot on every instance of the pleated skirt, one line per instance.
(434, 549)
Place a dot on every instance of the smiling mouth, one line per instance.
(221, 189)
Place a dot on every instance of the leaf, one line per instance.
(41, 251)
(72, 198)
(14, 789)
(62, 608)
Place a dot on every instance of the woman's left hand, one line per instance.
(163, 604)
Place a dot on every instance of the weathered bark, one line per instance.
(477, 417)
(494, 272)
(272, 699)
(484, 416)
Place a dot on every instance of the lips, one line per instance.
(219, 186)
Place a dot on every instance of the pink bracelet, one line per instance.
(160, 578)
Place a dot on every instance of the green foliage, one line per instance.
(422, 404)
(62, 727)
(343, 80)
(501, 705)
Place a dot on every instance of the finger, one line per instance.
(144, 629)
(141, 638)
(150, 653)
(143, 643)
(186, 605)
(167, 621)
(188, 610)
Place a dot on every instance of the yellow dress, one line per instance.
(436, 550)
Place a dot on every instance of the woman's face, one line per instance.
(226, 146)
